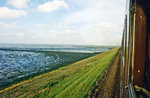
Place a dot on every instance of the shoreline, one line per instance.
(31, 76)
(73, 80)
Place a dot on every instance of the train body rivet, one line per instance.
(138, 70)
(141, 16)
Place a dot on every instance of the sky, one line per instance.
(77, 22)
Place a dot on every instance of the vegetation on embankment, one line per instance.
(58, 59)
(71, 81)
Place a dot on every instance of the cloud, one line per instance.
(55, 37)
(11, 28)
(101, 11)
(68, 28)
(18, 3)
(100, 24)
(95, 22)
(11, 13)
(20, 35)
(8, 26)
(52, 6)
(41, 25)
(11, 32)
(102, 34)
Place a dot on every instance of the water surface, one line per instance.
(20, 60)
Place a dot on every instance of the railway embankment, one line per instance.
(108, 86)
(73, 81)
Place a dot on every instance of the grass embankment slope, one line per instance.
(73, 81)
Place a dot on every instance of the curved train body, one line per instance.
(135, 50)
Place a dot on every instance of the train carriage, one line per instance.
(135, 52)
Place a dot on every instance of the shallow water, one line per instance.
(16, 64)
(21, 61)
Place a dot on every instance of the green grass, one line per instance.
(68, 58)
(72, 81)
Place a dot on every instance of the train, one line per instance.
(135, 50)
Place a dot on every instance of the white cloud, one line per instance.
(55, 37)
(100, 24)
(102, 34)
(11, 13)
(18, 3)
(42, 25)
(20, 35)
(102, 11)
(11, 29)
(95, 22)
(8, 26)
(52, 6)
(11, 32)
(68, 28)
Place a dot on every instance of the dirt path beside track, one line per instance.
(109, 85)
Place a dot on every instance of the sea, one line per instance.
(21, 60)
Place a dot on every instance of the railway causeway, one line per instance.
(108, 86)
